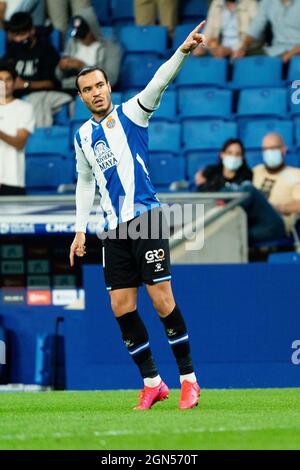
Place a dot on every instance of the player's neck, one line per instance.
(99, 116)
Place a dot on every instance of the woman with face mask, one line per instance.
(233, 175)
(232, 168)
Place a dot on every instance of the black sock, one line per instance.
(179, 340)
(136, 340)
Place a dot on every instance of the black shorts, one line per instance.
(130, 262)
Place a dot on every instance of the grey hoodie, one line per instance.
(109, 53)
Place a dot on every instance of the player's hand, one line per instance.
(194, 39)
(78, 247)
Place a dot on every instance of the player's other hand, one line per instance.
(194, 39)
(78, 247)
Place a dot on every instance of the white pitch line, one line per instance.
(221, 429)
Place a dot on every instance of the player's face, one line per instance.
(6, 85)
(95, 92)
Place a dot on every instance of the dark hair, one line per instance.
(231, 142)
(86, 71)
(8, 66)
(20, 22)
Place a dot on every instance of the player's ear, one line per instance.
(109, 87)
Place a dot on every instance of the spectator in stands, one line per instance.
(35, 7)
(16, 124)
(284, 19)
(87, 47)
(58, 11)
(277, 181)
(34, 57)
(232, 168)
(226, 27)
(146, 12)
(233, 175)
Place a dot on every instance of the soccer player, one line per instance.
(112, 148)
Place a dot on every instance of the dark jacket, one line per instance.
(215, 180)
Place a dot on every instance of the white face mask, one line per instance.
(273, 158)
(232, 163)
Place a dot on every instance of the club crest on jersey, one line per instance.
(111, 122)
(104, 156)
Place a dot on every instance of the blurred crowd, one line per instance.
(234, 29)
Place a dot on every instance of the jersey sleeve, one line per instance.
(140, 108)
(82, 165)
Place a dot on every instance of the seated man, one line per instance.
(277, 181)
(284, 18)
(87, 47)
(34, 57)
(226, 27)
(16, 124)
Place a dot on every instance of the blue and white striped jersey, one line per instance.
(115, 150)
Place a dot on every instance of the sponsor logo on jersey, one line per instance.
(111, 122)
(153, 256)
(104, 156)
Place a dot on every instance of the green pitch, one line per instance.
(225, 419)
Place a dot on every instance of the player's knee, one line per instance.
(122, 305)
(163, 304)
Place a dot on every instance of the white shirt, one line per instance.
(11, 7)
(14, 116)
(87, 54)
(230, 30)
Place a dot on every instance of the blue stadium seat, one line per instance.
(294, 69)
(143, 39)
(263, 102)
(205, 102)
(2, 42)
(191, 9)
(164, 137)
(181, 33)
(109, 33)
(253, 132)
(204, 71)
(48, 171)
(294, 98)
(254, 158)
(198, 161)
(122, 11)
(207, 135)
(49, 140)
(102, 10)
(56, 40)
(165, 168)
(297, 129)
(284, 258)
(168, 105)
(257, 71)
(138, 69)
(61, 118)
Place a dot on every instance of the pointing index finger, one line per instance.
(200, 26)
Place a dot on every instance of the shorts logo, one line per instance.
(104, 156)
(110, 123)
(158, 268)
(155, 255)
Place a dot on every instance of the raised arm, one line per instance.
(140, 107)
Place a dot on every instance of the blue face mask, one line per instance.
(232, 163)
(273, 158)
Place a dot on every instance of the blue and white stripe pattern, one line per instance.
(181, 339)
(139, 349)
(115, 150)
